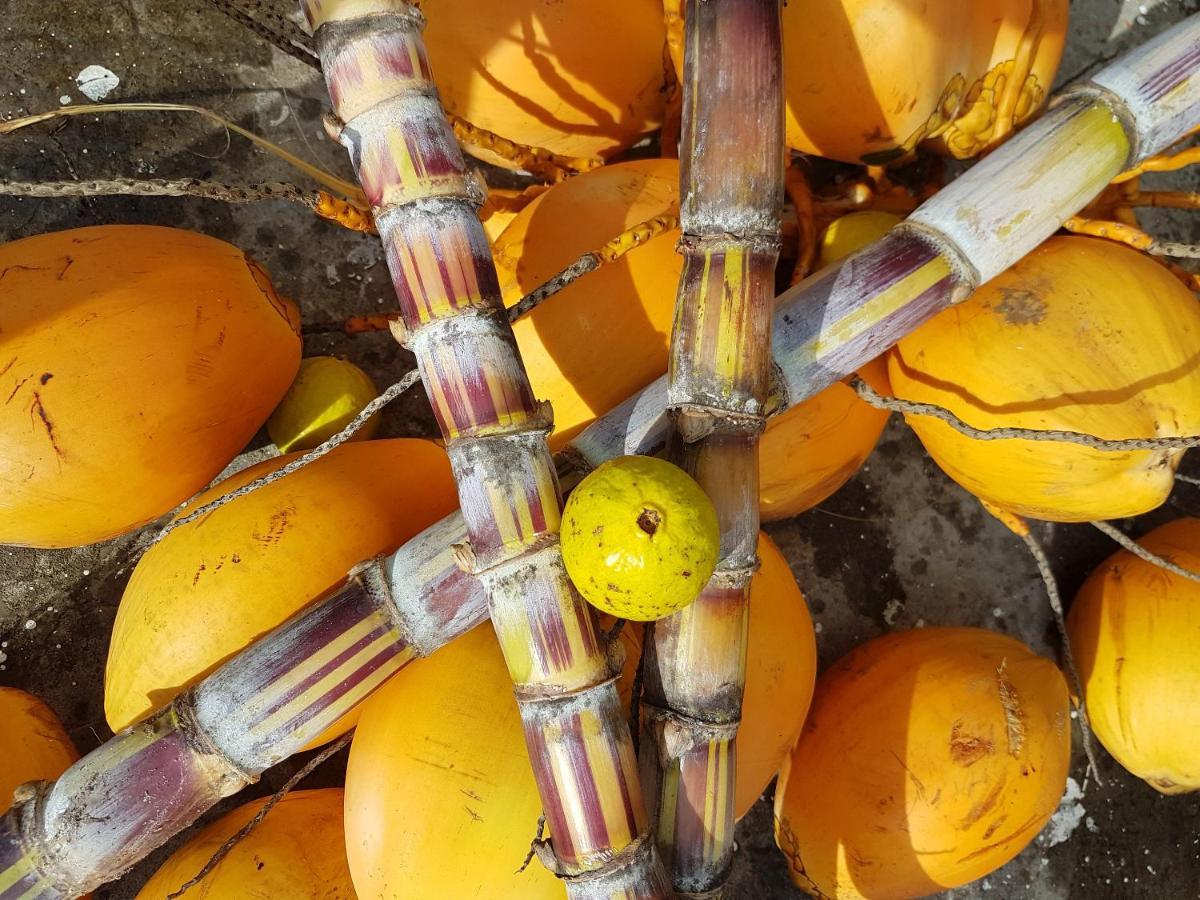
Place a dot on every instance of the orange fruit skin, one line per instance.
(929, 759)
(534, 71)
(810, 451)
(1081, 335)
(217, 584)
(863, 77)
(1135, 632)
(33, 744)
(135, 363)
(297, 852)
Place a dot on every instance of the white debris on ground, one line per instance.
(1066, 818)
(96, 82)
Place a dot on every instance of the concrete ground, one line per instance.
(900, 546)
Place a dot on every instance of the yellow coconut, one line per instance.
(296, 853)
(135, 363)
(1081, 335)
(810, 451)
(439, 771)
(538, 71)
(216, 584)
(1135, 631)
(33, 744)
(866, 81)
(929, 759)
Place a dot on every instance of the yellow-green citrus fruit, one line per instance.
(851, 232)
(639, 538)
(1135, 632)
(328, 392)
(298, 852)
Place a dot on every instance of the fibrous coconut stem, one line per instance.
(113, 807)
(731, 189)
(425, 203)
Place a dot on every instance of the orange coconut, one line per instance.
(33, 744)
(1135, 631)
(213, 586)
(439, 771)
(1081, 335)
(297, 852)
(929, 759)
(539, 72)
(135, 363)
(866, 81)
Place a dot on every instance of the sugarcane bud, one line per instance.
(464, 556)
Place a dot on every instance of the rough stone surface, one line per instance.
(899, 547)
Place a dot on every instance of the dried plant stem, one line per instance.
(322, 203)
(1142, 553)
(1167, 162)
(1187, 479)
(235, 839)
(1083, 439)
(1020, 528)
(280, 33)
(352, 193)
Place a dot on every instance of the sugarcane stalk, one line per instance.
(731, 190)
(152, 780)
(114, 806)
(425, 203)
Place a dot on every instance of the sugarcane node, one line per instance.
(399, 331)
(695, 422)
(735, 576)
(1089, 90)
(675, 734)
(464, 556)
(333, 126)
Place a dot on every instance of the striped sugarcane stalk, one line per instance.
(425, 202)
(151, 781)
(731, 190)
